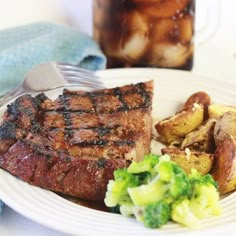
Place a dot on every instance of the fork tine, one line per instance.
(66, 68)
(80, 79)
(75, 74)
(83, 82)
(79, 75)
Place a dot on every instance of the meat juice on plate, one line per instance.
(145, 33)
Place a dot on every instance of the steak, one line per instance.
(73, 144)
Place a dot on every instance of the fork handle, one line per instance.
(11, 95)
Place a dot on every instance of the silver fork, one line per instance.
(52, 75)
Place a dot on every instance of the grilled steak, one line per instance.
(72, 145)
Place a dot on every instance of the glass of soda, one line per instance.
(145, 33)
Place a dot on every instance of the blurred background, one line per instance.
(215, 58)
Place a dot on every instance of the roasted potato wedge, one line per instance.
(225, 127)
(224, 167)
(176, 127)
(198, 98)
(201, 139)
(188, 160)
(217, 110)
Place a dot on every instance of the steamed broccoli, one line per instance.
(203, 202)
(174, 177)
(205, 197)
(195, 177)
(156, 214)
(170, 183)
(148, 193)
(144, 166)
(182, 213)
(117, 188)
(157, 190)
(153, 215)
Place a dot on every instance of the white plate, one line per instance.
(171, 89)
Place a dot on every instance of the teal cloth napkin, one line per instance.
(25, 46)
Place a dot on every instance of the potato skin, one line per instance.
(225, 127)
(188, 160)
(200, 97)
(224, 167)
(176, 127)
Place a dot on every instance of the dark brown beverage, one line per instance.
(145, 33)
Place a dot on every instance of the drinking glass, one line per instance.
(149, 33)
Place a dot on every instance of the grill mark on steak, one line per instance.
(73, 144)
(67, 120)
(120, 93)
(93, 103)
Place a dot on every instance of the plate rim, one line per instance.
(105, 73)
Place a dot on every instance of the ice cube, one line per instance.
(134, 48)
(179, 30)
(135, 35)
(162, 29)
(186, 25)
(168, 54)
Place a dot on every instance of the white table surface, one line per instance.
(214, 59)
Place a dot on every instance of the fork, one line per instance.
(53, 75)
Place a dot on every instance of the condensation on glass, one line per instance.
(145, 33)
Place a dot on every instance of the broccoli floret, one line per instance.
(203, 202)
(127, 210)
(130, 210)
(146, 165)
(153, 215)
(205, 195)
(180, 184)
(156, 214)
(170, 183)
(148, 193)
(196, 177)
(182, 213)
(117, 188)
(177, 180)
(165, 170)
